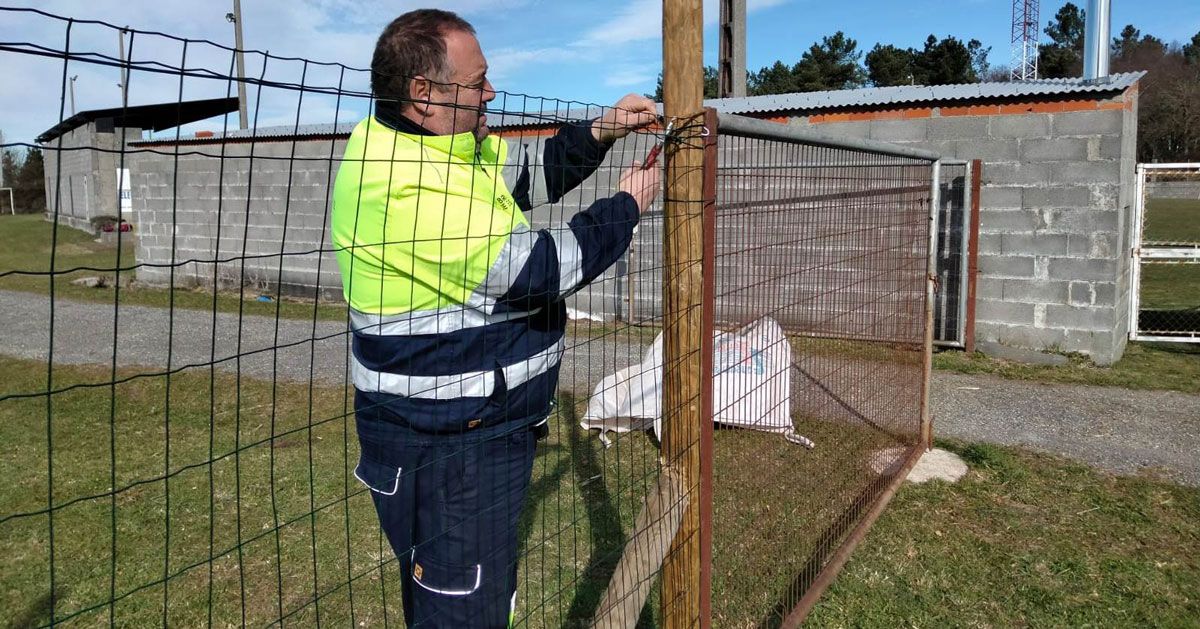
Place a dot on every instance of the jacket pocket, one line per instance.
(443, 578)
(379, 477)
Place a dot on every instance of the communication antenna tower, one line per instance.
(1024, 40)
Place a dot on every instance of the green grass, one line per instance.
(1151, 366)
(1172, 221)
(1025, 540)
(27, 242)
(249, 446)
(1171, 287)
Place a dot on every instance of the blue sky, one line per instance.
(580, 50)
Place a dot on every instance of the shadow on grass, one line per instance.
(38, 613)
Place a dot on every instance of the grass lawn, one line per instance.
(1025, 540)
(26, 247)
(1162, 366)
(1172, 221)
(234, 498)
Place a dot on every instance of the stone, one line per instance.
(938, 464)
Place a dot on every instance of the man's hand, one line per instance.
(631, 112)
(642, 184)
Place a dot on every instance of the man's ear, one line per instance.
(419, 90)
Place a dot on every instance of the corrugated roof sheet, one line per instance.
(776, 103)
(904, 94)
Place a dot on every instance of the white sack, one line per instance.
(751, 386)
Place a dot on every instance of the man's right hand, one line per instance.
(641, 184)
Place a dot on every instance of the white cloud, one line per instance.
(629, 76)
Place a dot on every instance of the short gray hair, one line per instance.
(413, 44)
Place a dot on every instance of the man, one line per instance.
(457, 306)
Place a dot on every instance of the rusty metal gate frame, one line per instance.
(1169, 253)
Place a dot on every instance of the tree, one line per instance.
(830, 65)
(776, 79)
(10, 169)
(710, 85)
(946, 62)
(1063, 57)
(888, 66)
(1191, 50)
(1131, 43)
(979, 59)
(29, 188)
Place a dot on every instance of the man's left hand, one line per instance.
(630, 113)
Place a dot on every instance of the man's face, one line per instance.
(459, 106)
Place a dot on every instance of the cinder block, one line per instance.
(989, 150)
(1056, 197)
(1085, 172)
(1093, 245)
(991, 244)
(1020, 126)
(1001, 197)
(1082, 221)
(1016, 174)
(844, 129)
(1054, 149)
(1020, 335)
(1109, 122)
(1035, 244)
(1090, 270)
(957, 128)
(1037, 292)
(1006, 266)
(989, 288)
(1080, 318)
(1010, 221)
(1004, 312)
(916, 130)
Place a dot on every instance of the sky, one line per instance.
(579, 51)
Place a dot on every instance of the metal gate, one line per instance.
(1165, 305)
(955, 233)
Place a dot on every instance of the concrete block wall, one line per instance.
(81, 173)
(1055, 214)
(254, 217)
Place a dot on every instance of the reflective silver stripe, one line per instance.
(507, 266)
(471, 384)
(570, 260)
(536, 365)
(449, 319)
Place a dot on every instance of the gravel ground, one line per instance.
(1121, 430)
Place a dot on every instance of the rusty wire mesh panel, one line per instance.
(830, 247)
(1167, 258)
(178, 400)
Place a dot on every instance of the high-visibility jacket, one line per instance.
(457, 304)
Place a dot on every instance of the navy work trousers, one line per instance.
(449, 505)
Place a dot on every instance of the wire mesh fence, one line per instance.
(1166, 304)
(830, 246)
(193, 440)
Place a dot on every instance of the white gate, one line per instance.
(1166, 254)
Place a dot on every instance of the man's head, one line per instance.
(430, 62)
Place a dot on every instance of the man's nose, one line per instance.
(489, 92)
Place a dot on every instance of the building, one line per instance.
(1058, 157)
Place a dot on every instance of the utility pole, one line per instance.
(236, 19)
(73, 94)
(731, 68)
(124, 84)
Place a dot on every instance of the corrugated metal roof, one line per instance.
(904, 94)
(776, 103)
